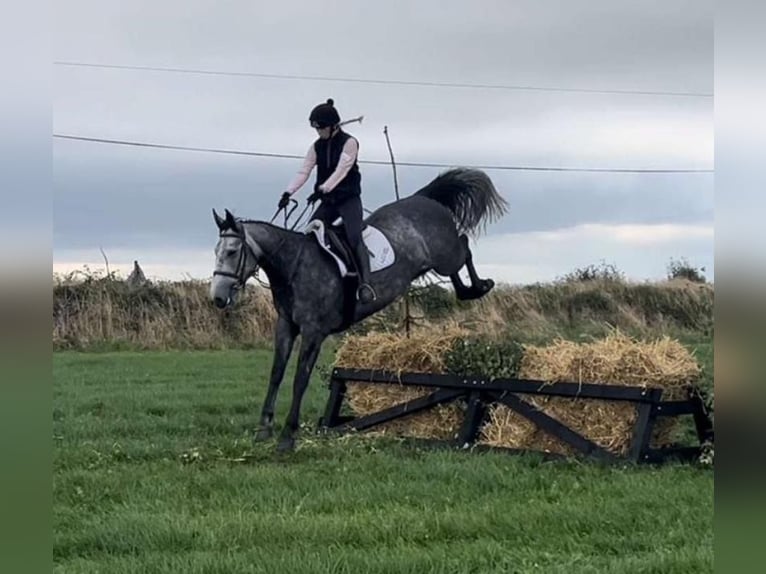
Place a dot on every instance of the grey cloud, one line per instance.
(647, 45)
(654, 43)
(170, 197)
(127, 197)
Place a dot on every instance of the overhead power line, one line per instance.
(373, 162)
(384, 81)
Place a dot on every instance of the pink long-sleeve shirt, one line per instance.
(345, 163)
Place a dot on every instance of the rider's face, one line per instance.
(324, 132)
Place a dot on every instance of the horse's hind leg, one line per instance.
(479, 287)
(462, 291)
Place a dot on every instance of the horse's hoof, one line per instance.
(286, 444)
(487, 285)
(264, 433)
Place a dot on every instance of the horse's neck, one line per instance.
(278, 246)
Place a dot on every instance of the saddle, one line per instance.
(337, 241)
(332, 239)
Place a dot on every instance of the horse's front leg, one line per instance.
(310, 346)
(284, 337)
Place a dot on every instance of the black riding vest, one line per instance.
(328, 154)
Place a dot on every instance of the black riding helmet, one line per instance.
(324, 115)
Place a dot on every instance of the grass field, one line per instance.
(149, 477)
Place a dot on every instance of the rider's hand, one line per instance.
(284, 201)
(314, 196)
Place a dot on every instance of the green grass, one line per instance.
(146, 479)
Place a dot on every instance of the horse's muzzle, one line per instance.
(220, 302)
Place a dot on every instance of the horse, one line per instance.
(428, 231)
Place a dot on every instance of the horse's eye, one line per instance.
(230, 252)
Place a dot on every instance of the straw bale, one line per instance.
(423, 352)
(616, 359)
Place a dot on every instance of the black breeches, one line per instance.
(350, 210)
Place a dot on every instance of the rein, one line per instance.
(289, 212)
(239, 273)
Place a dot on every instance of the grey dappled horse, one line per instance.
(428, 232)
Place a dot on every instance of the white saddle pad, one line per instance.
(381, 252)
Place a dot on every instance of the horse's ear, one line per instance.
(230, 221)
(218, 219)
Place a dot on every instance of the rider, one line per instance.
(338, 185)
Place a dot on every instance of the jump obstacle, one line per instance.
(480, 393)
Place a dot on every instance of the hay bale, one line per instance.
(423, 352)
(616, 359)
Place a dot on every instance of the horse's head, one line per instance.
(236, 260)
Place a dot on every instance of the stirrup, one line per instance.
(369, 287)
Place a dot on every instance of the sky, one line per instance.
(154, 205)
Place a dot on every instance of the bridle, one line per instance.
(239, 273)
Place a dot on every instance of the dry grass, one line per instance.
(96, 311)
(563, 307)
(104, 311)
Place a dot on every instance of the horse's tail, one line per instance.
(469, 194)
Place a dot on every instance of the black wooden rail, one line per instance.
(481, 392)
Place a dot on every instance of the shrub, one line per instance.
(682, 269)
(434, 301)
(602, 272)
(481, 355)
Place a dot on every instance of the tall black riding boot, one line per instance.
(365, 293)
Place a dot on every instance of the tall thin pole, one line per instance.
(393, 162)
(407, 317)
